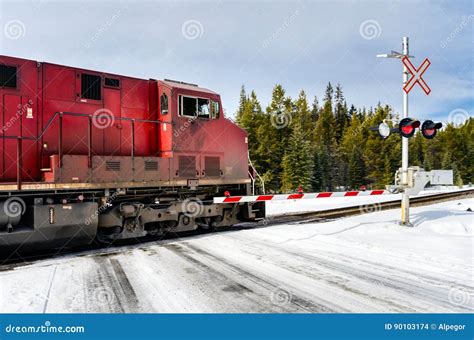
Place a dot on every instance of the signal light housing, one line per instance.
(430, 128)
(407, 127)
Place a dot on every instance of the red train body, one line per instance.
(72, 139)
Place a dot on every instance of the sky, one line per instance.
(224, 44)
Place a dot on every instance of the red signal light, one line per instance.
(408, 126)
(430, 128)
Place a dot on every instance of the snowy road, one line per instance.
(365, 263)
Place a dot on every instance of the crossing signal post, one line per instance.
(407, 126)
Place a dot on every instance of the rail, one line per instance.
(59, 115)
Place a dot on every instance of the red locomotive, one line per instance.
(90, 155)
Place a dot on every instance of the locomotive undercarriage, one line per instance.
(61, 219)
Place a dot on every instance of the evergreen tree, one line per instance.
(297, 162)
(277, 129)
(352, 148)
(303, 116)
(242, 103)
(340, 112)
(325, 146)
(315, 109)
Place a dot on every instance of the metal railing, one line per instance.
(59, 116)
(253, 174)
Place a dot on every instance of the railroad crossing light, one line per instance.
(429, 128)
(383, 129)
(407, 127)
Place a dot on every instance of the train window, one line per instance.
(90, 86)
(203, 108)
(8, 76)
(164, 104)
(214, 110)
(187, 106)
(112, 82)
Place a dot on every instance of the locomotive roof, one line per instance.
(167, 82)
(185, 86)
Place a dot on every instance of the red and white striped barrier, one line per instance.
(260, 198)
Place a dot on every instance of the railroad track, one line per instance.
(368, 208)
(305, 217)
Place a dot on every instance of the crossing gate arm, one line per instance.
(261, 198)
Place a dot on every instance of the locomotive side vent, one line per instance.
(90, 86)
(151, 165)
(112, 82)
(212, 166)
(187, 166)
(112, 165)
(8, 76)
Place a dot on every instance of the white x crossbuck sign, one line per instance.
(416, 75)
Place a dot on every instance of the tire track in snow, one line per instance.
(413, 290)
(302, 303)
(232, 285)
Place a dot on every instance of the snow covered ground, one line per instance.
(366, 263)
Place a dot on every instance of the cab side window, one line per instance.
(215, 110)
(203, 108)
(164, 104)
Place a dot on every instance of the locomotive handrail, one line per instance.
(60, 114)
